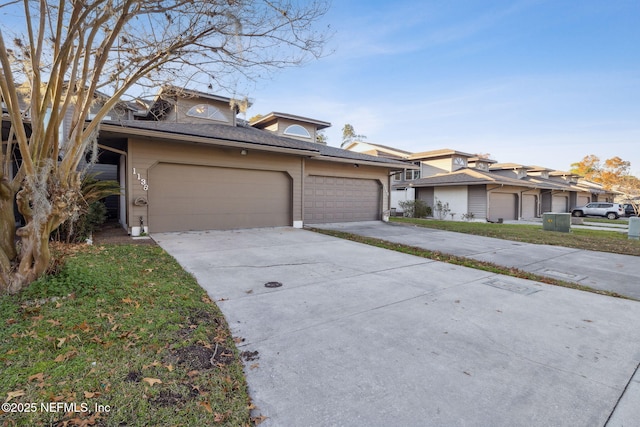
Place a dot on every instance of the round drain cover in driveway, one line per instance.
(272, 285)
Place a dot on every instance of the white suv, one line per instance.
(609, 210)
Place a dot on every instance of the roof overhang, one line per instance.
(220, 142)
(274, 116)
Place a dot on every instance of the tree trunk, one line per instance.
(19, 268)
(8, 252)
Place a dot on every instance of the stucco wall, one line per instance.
(398, 196)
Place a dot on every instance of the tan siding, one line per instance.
(144, 154)
(433, 167)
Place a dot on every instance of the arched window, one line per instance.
(297, 130)
(205, 111)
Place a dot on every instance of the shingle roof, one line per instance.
(247, 134)
(219, 131)
(468, 176)
(329, 151)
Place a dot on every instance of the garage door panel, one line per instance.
(502, 205)
(190, 197)
(529, 206)
(560, 204)
(341, 199)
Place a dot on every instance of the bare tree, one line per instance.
(76, 53)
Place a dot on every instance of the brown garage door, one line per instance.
(502, 205)
(333, 199)
(188, 197)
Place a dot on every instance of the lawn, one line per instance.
(596, 240)
(122, 335)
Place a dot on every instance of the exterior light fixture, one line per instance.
(243, 152)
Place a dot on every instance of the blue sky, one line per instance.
(533, 82)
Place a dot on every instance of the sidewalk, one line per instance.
(598, 270)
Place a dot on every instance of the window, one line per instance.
(460, 161)
(205, 111)
(297, 130)
(410, 175)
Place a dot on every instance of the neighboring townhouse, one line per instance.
(187, 162)
(481, 189)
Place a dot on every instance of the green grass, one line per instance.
(123, 326)
(595, 240)
(458, 260)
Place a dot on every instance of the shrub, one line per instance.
(442, 209)
(415, 208)
(92, 212)
(81, 229)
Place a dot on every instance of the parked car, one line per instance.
(628, 210)
(608, 210)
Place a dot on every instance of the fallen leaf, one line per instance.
(152, 381)
(254, 366)
(61, 341)
(192, 374)
(91, 394)
(169, 367)
(218, 417)
(53, 322)
(206, 406)
(68, 355)
(155, 363)
(127, 300)
(84, 327)
(258, 420)
(39, 376)
(12, 394)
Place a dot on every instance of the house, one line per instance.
(187, 162)
(484, 190)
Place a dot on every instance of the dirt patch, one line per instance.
(113, 234)
(196, 357)
(134, 377)
(168, 398)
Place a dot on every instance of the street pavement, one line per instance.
(597, 270)
(363, 336)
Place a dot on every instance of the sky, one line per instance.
(534, 82)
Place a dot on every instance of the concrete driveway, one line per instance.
(358, 335)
